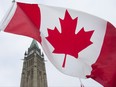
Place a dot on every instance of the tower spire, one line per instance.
(34, 43)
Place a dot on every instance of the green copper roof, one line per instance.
(34, 43)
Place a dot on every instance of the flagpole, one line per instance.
(6, 15)
(81, 83)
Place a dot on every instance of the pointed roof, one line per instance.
(34, 43)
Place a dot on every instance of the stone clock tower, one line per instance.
(33, 72)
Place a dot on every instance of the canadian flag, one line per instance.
(76, 43)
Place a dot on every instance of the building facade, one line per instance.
(33, 72)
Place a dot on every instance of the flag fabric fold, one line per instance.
(77, 44)
(24, 20)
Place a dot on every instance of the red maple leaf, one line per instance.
(67, 42)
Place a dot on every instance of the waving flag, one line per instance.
(77, 44)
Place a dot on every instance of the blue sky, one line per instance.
(13, 47)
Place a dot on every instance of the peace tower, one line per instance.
(33, 72)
